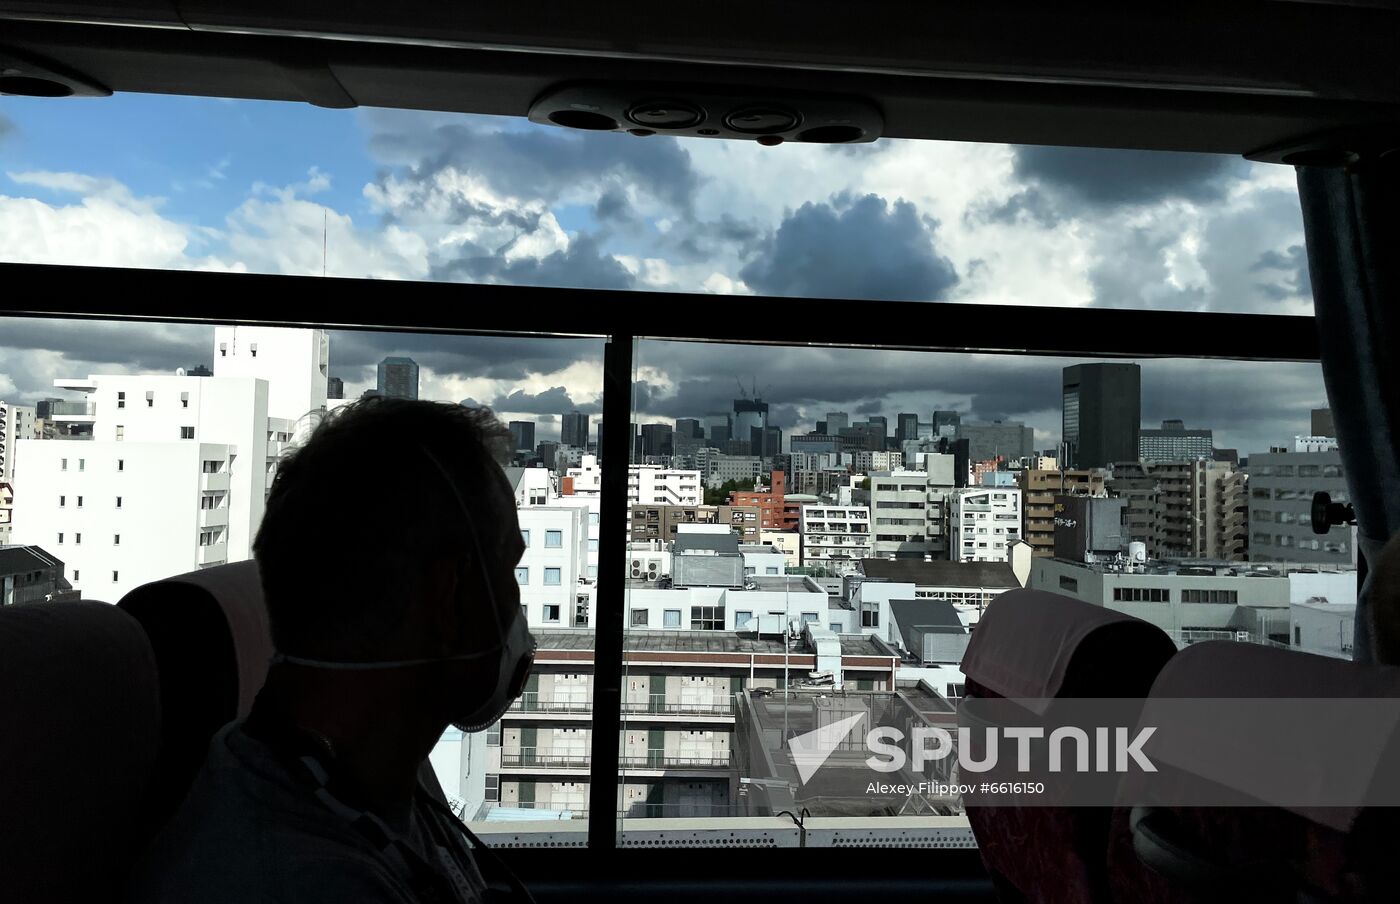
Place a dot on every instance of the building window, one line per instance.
(707, 618)
(639, 618)
(493, 735)
(116, 539)
(223, 349)
(63, 464)
(741, 618)
(78, 539)
(671, 618)
(809, 618)
(870, 618)
(592, 545)
(62, 501)
(551, 612)
(592, 517)
(493, 787)
(553, 539)
(82, 464)
(121, 464)
(211, 467)
(121, 400)
(76, 574)
(552, 577)
(121, 433)
(525, 537)
(60, 538)
(80, 502)
(186, 433)
(184, 400)
(253, 349)
(150, 400)
(522, 575)
(114, 577)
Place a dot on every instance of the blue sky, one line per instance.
(161, 181)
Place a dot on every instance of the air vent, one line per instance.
(750, 114)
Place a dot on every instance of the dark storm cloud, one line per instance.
(1103, 176)
(583, 265)
(1290, 272)
(852, 248)
(153, 347)
(552, 401)
(1251, 405)
(534, 161)
(497, 358)
(613, 205)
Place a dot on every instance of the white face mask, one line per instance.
(515, 650)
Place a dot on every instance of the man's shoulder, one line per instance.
(248, 831)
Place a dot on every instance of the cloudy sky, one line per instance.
(145, 181)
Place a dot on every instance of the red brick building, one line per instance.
(772, 513)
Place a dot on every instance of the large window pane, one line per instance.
(896, 495)
(77, 461)
(172, 182)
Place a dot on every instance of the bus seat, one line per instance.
(209, 633)
(80, 705)
(1170, 854)
(1032, 644)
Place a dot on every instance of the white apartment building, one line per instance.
(655, 485)
(551, 569)
(293, 362)
(835, 537)
(907, 508)
(587, 478)
(177, 469)
(864, 462)
(16, 423)
(983, 523)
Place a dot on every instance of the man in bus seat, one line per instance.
(387, 554)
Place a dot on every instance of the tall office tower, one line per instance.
(1005, 440)
(748, 414)
(335, 388)
(717, 429)
(1102, 413)
(524, 434)
(575, 430)
(836, 421)
(907, 427)
(879, 428)
(657, 439)
(690, 428)
(946, 423)
(766, 442)
(398, 378)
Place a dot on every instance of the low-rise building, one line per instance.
(983, 523)
(835, 537)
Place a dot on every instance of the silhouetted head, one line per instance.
(366, 547)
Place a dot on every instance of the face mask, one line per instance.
(515, 652)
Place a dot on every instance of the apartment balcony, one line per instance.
(214, 482)
(215, 517)
(214, 554)
(570, 761)
(275, 448)
(534, 705)
(74, 412)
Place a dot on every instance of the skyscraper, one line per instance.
(880, 429)
(398, 378)
(748, 413)
(907, 427)
(524, 434)
(1102, 413)
(656, 439)
(836, 421)
(690, 428)
(946, 423)
(575, 430)
(335, 388)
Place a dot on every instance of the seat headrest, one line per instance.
(1033, 644)
(1274, 749)
(209, 632)
(79, 731)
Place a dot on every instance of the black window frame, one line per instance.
(124, 294)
